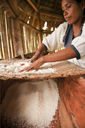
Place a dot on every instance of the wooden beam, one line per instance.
(6, 7)
(2, 4)
(24, 11)
(1, 49)
(29, 26)
(33, 5)
(16, 35)
(45, 7)
(22, 37)
(38, 3)
(16, 31)
(46, 31)
(53, 12)
(55, 5)
(52, 15)
(38, 17)
(13, 5)
(43, 18)
(0, 35)
(3, 31)
(39, 27)
(34, 17)
(9, 37)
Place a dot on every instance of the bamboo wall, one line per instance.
(6, 42)
(12, 44)
(29, 37)
(17, 38)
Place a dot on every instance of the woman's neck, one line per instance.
(77, 27)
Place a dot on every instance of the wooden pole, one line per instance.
(3, 32)
(16, 31)
(39, 27)
(1, 55)
(10, 37)
(0, 37)
(16, 35)
(26, 31)
(22, 36)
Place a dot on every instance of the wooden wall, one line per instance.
(6, 43)
(13, 36)
(17, 38)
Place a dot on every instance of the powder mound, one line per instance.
(31, 103)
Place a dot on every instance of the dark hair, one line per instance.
(79, 1)
(84, 11)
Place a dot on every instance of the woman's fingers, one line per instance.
(26, 69)
(22, 70)
(35, 65)
(29, 68)
(32, 67)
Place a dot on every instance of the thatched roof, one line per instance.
(50, 11)
(28, 10)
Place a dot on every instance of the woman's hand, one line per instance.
(34, 66)
(39, 53)
(35, 57)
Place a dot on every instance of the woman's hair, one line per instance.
(79, 1)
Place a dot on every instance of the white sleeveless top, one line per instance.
(55, 42)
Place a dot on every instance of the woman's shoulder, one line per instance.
(63, 25)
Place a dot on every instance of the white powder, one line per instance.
(33, 102)
(15, 67)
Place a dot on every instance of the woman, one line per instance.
(70, 34)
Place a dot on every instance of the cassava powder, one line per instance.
(15, 67)
(30, 104)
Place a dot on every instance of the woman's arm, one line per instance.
(64, 54)
(39, 52)
(52, 41)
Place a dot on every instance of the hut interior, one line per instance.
(23, 26)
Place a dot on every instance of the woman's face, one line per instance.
(72, 11)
